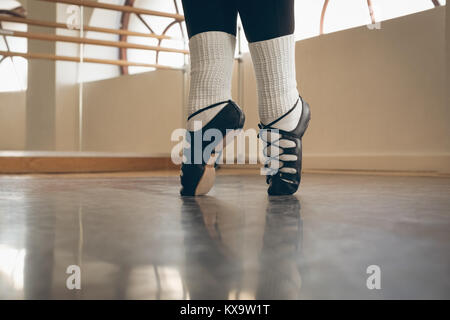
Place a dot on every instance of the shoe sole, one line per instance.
(209, 175)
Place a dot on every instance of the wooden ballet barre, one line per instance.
(48, 24)
(129, 9)
(45, 56)
(117, 44)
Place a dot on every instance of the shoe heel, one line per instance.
(207, 181)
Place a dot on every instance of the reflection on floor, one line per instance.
(134, 237)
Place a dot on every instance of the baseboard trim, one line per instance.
(431, 163)
(74, 163)
(48, 162)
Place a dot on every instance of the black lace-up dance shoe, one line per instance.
(283, 153)
(204, 146)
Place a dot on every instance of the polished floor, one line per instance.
(135, 238)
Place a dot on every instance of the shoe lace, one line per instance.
(279, 153)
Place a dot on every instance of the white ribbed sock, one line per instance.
(274, 64)
(212, 58)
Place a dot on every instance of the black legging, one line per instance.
(262, 19)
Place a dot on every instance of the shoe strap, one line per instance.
(208, 107)
(283, 116)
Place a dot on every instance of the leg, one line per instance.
(266, 19)
(210, 15)
(269, 27)
(211, 26)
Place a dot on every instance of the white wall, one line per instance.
(134, 113)
(12, 120)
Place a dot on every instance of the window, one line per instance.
(13, 70)
(339, 15)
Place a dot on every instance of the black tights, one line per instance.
(262, 19)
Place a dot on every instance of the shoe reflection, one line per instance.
(211, 269)
(234, 253)
(279, 276)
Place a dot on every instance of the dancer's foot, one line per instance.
(197, 170)
(284, 152)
